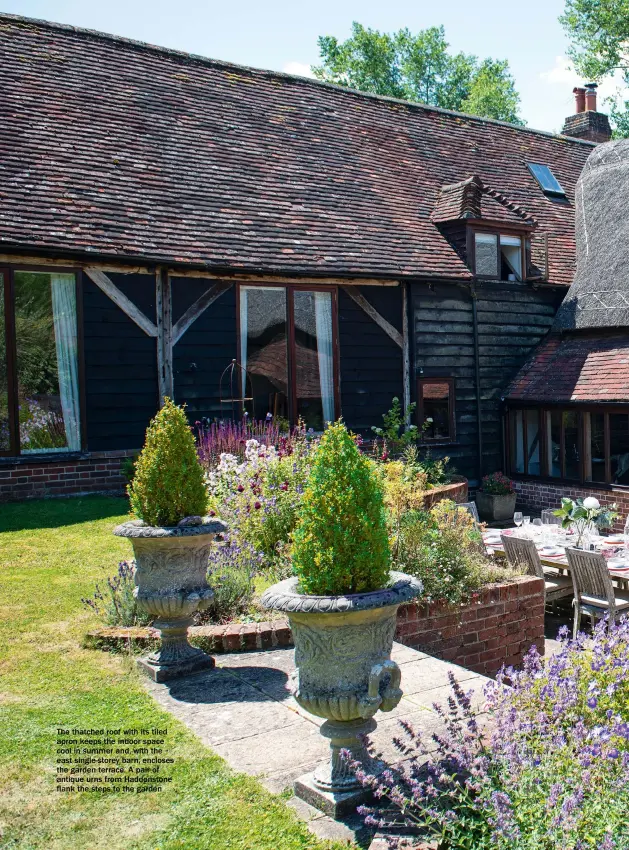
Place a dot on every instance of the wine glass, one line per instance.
(526, 525)
(517, 518)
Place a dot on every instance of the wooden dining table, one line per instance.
(618, 568)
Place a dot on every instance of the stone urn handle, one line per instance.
(392, 693)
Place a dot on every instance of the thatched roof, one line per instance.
(599, 295)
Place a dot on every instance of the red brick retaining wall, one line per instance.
(496, 628)
(97, 472)
(536, 496)
(457, 491)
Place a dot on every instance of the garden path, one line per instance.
(244, 711)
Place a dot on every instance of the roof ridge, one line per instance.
(206, 60)
(502, 199)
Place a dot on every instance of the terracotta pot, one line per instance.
(344, 668)
(171, 585)
(495, 508)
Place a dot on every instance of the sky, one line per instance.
(282, 34)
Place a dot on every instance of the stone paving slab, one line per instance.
(244, 711)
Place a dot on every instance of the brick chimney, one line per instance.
(587, 123)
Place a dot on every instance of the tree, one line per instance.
(599, 35)
(418, 67)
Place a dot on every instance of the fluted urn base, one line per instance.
(175, 657)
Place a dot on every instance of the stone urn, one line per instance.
(344, 674)
(171, 585)
(495, 508)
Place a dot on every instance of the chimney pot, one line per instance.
(579, 99)
(590, 97)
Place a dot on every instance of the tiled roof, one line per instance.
(470, 199)
(579, 368)
(117, 148)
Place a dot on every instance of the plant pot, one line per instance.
(344, 674)
(495, 508)
(171, 585)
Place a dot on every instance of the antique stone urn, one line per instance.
(171, 585)
(344, 674)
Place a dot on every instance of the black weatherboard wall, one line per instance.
(120, 364)
(371, 363)
(511, 320)
(204, 351)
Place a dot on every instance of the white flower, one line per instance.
(591, 503)
(429, 420)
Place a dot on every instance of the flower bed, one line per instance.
(497, 627)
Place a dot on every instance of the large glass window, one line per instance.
(574, 444)
(39, 386)
(5, 419)
(286, 349)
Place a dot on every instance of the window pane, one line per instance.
(47, 362)
(571, 443)
(597, 446)
(554, 444)
(517, 441)
(314, 362)
(263, 350)
(532, 440)
(486, 254)
(510, 258)
(436, 409)
(5, 442)
(619, 447)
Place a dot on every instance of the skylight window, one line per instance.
(546, 179)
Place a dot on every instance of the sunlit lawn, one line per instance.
(51, 554)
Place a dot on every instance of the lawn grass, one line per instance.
(51, 554)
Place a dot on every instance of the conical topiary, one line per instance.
(169, 481)
(340, 544)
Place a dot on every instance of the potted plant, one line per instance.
(582, 513)
(496, 498)
(171, 539)
(342, 605)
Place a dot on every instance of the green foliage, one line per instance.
(169, 480)
(418, 67)
(599, 34)
(340, 543)
(582, 513)
(443, 547)
(127, 468)
(393, 431)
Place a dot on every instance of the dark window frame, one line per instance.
(584, 431)
(290, 331)
(421, 382)
(8, 272)
(490, 228)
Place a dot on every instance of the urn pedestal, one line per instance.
(171, 585)
(344, 674)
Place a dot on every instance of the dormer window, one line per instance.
(498, 256)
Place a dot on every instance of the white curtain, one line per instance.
(323, 316)
(63, 289)
(244, 314)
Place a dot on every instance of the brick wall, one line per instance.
(496, 628)
(97, 472)
(535, 496)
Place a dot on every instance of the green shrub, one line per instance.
(169, 480)
(340, 542)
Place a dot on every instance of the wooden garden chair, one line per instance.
(522, 555)
(594, 591)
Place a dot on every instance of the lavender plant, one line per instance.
(233, 566)
(39, 428)
(551, 770)
(114, 602)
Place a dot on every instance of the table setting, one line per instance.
(574, 525)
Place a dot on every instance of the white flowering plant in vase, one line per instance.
(582, 513)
